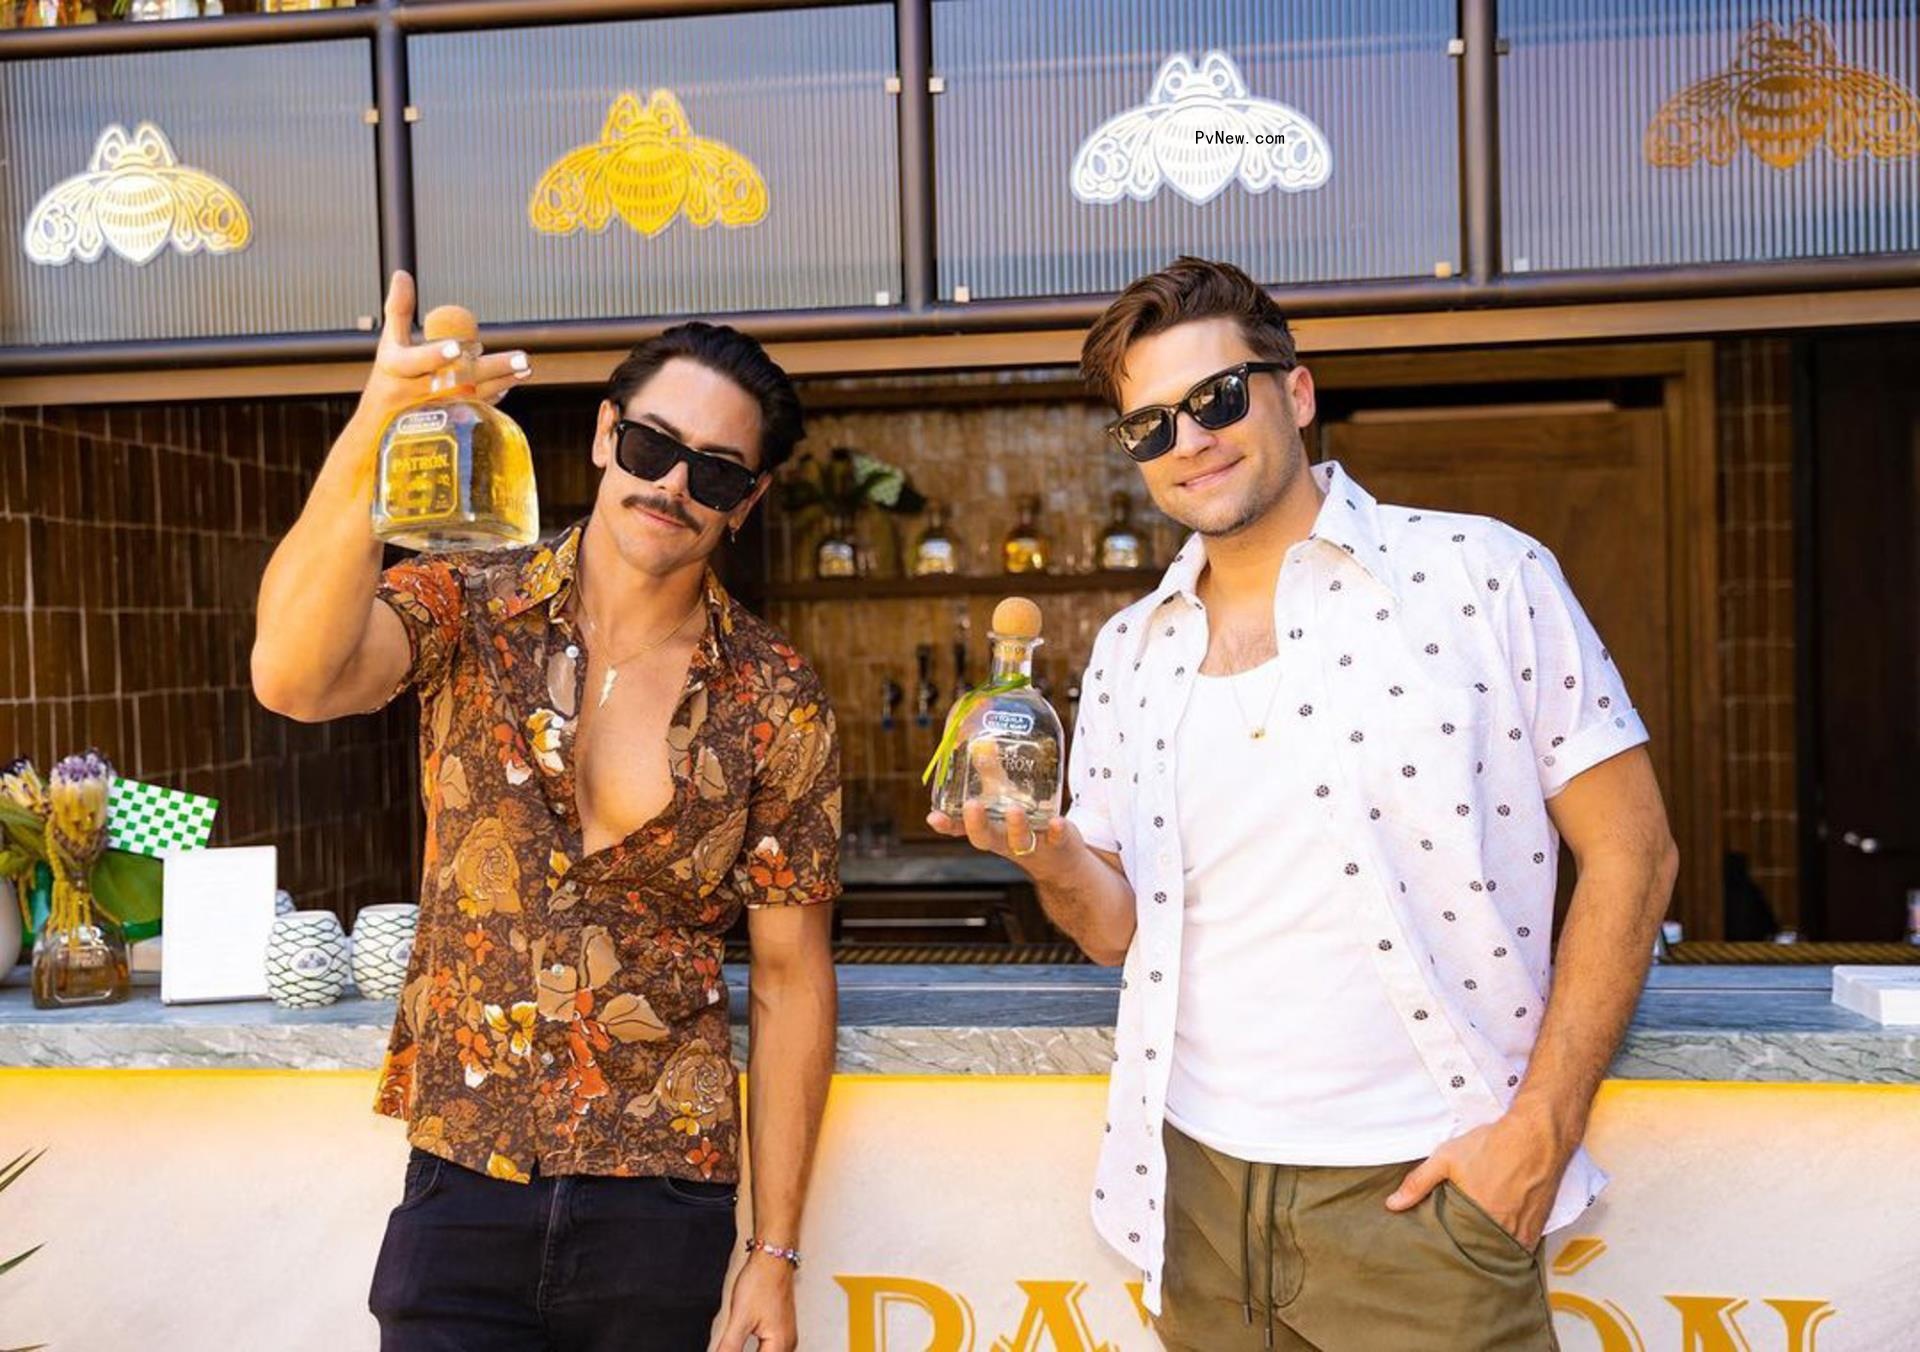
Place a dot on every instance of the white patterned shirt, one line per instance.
(1455, 686)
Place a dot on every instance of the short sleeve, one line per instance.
(425, 592)
(1570, 692)
(790, 853)
(1090, 761)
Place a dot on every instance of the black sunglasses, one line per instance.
(713, 481)
(1216, 402)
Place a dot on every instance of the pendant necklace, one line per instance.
(1254, 731)
(613, 668)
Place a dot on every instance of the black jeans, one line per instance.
(571, 1264)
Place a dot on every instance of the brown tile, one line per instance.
(16, 672)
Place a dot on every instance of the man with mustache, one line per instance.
(1320, 781)
(615, 760)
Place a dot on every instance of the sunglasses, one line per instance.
(1216, 402)
(713, 481)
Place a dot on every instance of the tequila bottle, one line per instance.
(1002, 742)
(837, 554)
(936, 552)
(1025, 549)
(454, 471)
(1121, 545)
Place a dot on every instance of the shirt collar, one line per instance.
(1348, 520)
(548, 573)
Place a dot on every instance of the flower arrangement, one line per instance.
(126, 886)
(847, 481)
(841, 487)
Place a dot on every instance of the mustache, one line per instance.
(661, 507)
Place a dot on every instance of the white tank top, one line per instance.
(1286, 1049)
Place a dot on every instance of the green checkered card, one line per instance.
(150, 819)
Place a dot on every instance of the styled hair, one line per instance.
(1186, 289)
(730, 353)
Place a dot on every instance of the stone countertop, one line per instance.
(928, 866)
(1694, 1023)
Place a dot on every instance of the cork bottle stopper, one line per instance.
(451, 321)
(1017, 617)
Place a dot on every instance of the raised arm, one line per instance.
(324, 644)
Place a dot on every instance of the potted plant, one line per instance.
(844, 494)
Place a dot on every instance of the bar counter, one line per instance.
(1771, 1024)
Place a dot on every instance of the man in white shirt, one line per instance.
(1319, 782)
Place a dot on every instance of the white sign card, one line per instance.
(218, 905)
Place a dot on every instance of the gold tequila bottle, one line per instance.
(454, 471)
(1121, 544)
(1025, 549)
(936, 552)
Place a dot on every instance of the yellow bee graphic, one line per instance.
(650, 167)
(135, 198)
(1780, 98)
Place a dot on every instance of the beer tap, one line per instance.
(890, 696)
(925, 693)
(963, 627)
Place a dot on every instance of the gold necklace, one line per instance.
(613, 668)
(1253, 731)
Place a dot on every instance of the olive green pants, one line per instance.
(1300, 1257)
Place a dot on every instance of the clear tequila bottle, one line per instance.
(1121, 544)
(454, 471)
(1002, 744)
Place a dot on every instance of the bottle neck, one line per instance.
(457, 374)
(1012, 657)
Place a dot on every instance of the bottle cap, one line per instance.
(1017, 617)
(451, 321)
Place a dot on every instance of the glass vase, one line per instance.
(79, 964)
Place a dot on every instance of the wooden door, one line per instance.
(1590, 482)
(1864, 714)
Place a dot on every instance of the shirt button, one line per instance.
(573, 650)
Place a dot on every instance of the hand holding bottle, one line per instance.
(403, 370)
(1011, 835)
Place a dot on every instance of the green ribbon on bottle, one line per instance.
(949, 737)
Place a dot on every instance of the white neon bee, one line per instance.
(1198, 131)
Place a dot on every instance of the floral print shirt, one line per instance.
(568, 1008)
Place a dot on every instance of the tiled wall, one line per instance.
(132, 541)
(1758, 810)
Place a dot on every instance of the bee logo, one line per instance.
(650, 167)
(1782, 96)
(1198, 131)
(135, 198)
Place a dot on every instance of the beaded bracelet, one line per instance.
(789, 1256)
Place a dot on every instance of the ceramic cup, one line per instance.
(307, 962)
(382, 948)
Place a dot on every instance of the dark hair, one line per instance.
(1185, 290)
(732, 354)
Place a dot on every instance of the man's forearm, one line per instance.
(1599, 970)
(791, 1021)
(315, 593)
(1091, 900)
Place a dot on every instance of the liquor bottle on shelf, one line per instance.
(1121, 544)
(838, 554)
(454, 471)
(1025, 549)
(937, 551)
(1002, 741)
